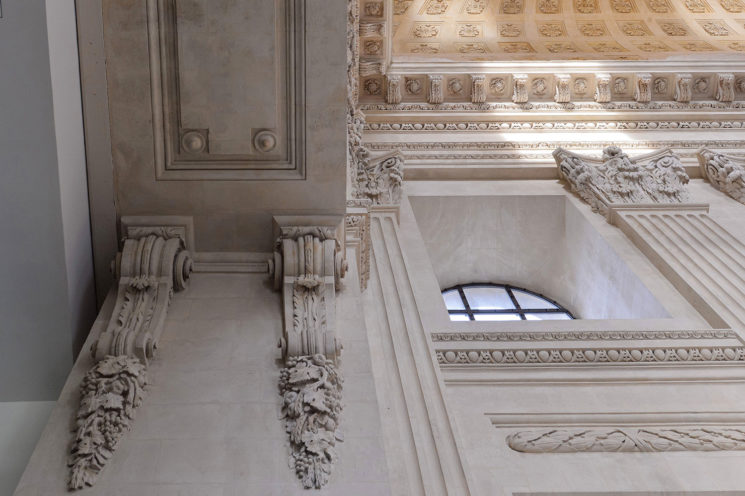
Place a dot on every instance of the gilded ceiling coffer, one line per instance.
(152, 264)
(307, 268)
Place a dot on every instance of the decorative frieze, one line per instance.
(697, 106)
(478, 88)
(563, 92)
(683, 88)
(628, 440)
(725, 172)
(435, 94)
(149, 268)
(658, 177)
(575, 356)
(643, 88)
(520, 88)
(583, 335)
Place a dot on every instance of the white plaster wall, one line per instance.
(545, 243)
(21, 423)
(209, 424)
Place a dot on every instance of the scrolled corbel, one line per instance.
(149, 268)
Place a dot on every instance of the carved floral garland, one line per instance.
(111, 391)
(311, 390)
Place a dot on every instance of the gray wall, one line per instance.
(46, 287)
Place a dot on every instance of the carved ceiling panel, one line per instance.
(564, 29)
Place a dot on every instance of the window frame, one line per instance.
(471, 313)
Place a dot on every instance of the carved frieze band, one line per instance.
(149, 268)
(583, 335)
(579, 87)
(605, 355)
(725, 172)
(628, 440)
(308, 266)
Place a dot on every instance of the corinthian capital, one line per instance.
(725, 172)
(657, 177)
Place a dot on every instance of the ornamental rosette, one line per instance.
(311, 390)
(110, 393)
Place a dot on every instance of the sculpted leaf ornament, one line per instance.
(311, 390)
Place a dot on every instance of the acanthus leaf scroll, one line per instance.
(725, 172)
(655, 178)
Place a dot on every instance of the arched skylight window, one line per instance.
(500, 302)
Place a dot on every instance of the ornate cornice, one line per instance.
(471, 125)
(628, 440)
(671, 106)
(658, 177)
(582, 335)
(725, 172)
(583, 356)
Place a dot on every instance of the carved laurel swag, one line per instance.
(654, 178)
(725, 172)
(311, 390)
(626, 440)
(110, 393)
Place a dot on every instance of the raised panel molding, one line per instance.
(249, 143)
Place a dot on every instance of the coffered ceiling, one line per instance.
(492, 30)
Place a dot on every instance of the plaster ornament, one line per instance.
(593, 29)
(476, 6)
(654, 178)
(425, 48)
(374, 9)
(380, 180)
(548, 6)
(435, 93)
(683, 88)
(586, 6)
(373, 86)
(478, 88)
(673, 29)
(265, 141)
(426, 30)
(373, 47)
(551, 30)
(369, 68)
(194, 141)
(701, 85)
(510, 30)
(110, 393)
(659, 6)
(620, 85)
(512, 6)
(628, 440)
(455, 87)
(623, 6)
(357, 234)
(725, 172)
(437, 7)
(580, 86)
(734, 6)
(401, 6)
(497, 85)
(520, 88)
(737, 46)
(393, 89)
(715, 28)
(740, 85)
(469, 31)
(643, 89)
(634, 28)
(725, 87)
(539, 86)
(563, 93)
(311, 390)
(696, 6)
(369, 28)
(560, 47)
(660, 86)
(413, 86)
(471, 48)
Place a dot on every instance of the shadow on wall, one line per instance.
(543, 243)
